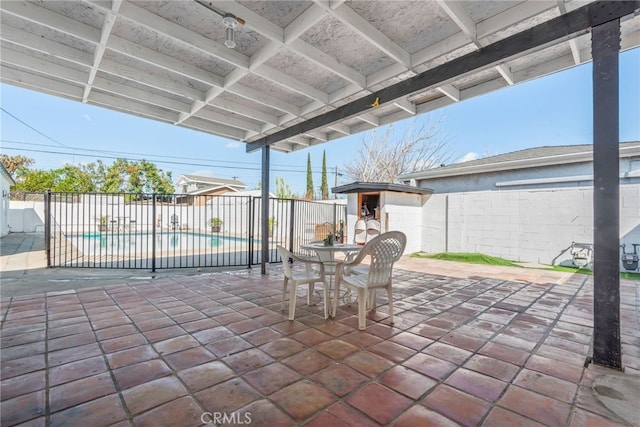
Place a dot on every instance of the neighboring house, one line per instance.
(540, 167)
(5, 186)
(527, 206)
(190, 186)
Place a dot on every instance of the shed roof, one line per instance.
(212, 180)
(367, 187)
(302, 72)
(527, 158)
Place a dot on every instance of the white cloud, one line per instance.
(87, 117)
(202, 173)
(234, 144)
(468, 157)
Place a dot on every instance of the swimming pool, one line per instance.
(141, 243)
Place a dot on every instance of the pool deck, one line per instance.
(472, 345)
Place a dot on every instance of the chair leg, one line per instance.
(284, 293)
(326, 301)
(371, 299)
(362, 309)
(336, 294)
(390, 298)
(292, 302)
(310, 292)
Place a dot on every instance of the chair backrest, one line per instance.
(286, 265)
(360, 232)
(384, 251)
(373, 229)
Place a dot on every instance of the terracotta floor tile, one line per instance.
(71, 341)
(103, 411)
(477, 384)
(350, 415)
(546, 385)
(20, 351)
(543, 409)
(302, 399)
(361, 339)
(504, 353)
(379, 402)
(324, 419)
(410, 340)
(261, 336)
(428, 331)
(76, 370)
(457, 405)
(247, 360)
(334, 328)
(205, 375)
(561, 355)
(263, 413)
(307, 362)
(499, 417)
(244, 326)
(173, 345)
(367, 363)
(22, 384)
(336, 349)
(311, 337)
(228, 346)
(163, 333)
(225, 319)
(271, 378)
(189, 358)
(447, 352)
(22, 408)
(68, 355)
(116, 344)
(116, 332)
(24, 365)
(431, 366)
(182, 411)
(227, 396)
(288, 327)
(151, 324)
(152, 393)
(214, 334)
(493, 367)
(407, 381)
(339, 379)
(418, 415)
(131, 356)
(282, 347)
(392, 351)
(80, 391)
(133, 375)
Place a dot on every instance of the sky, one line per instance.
(551, 110)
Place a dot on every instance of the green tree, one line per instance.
(309, 193)
(15, 164)
(125, 176)
(282, 189)
(324, 186)
(36, 180)
(69, 178)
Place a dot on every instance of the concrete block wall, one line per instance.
(26, 217)
(521, 225)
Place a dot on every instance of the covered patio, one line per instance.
(472, 345)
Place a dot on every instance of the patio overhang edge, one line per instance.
(563, 26)
(365, 187)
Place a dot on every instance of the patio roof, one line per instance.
(302, 73)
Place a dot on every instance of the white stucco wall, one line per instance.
(26, 217)
(4, 205)
(530, 226)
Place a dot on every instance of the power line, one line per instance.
(158, 161)
(32, 128)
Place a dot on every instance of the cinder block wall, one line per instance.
(522, 225)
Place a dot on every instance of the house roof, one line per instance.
(212, 180)
(366, 187)
(527, 158)
(302, 72)
(6, 174)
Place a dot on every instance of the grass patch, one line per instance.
(471, 258)
(566, 269)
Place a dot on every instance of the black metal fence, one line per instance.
(149, 231)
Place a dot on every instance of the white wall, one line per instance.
(529, 226)
(26, 217)
(4, 205)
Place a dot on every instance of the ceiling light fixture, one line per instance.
(230, 22)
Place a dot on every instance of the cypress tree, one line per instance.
(324, 187)
(309, 195)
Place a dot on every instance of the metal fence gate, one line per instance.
(151, 231)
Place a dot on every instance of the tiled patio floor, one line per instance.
(464, 350)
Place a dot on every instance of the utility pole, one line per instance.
(335, 181)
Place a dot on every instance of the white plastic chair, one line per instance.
(360, 232)
(373, 229)
(312, 274)
(383, 252)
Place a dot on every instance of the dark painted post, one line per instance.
(47, 226)
(605, 46)
(265, 209)
(153, 233)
